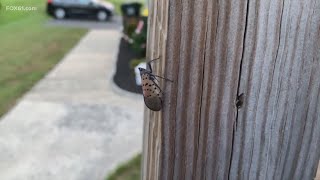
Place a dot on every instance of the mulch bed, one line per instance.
(125, 77)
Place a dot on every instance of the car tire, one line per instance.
(59, 13)
(102, 15)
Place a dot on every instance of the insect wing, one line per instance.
(153, 103)
(151, 93)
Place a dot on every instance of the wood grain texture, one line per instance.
(215, 50)
(157, 35)
(278, 128)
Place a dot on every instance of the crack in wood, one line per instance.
(240, 95)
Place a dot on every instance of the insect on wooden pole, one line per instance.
(152, 93)
(245, 99)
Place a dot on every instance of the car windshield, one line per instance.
(84, 1)
(96, 1)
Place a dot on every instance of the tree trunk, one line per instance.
(214, 51)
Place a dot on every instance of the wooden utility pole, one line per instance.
(216, 50)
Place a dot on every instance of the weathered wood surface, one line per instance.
(157, 38)
(214, 51)
(318, 173)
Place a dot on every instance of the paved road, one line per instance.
(74, 124)
(115, 23)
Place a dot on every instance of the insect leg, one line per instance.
(156, 79)
(153, 79)
(157, 85)
(162, 78)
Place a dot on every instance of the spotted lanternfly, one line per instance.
(152, 93)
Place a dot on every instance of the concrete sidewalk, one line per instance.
(74, 124)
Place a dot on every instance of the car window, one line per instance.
(76, 2)
(84, 2)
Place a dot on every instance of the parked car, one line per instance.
(99, 9)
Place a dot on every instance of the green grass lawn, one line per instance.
(129, 171)
(28, 49)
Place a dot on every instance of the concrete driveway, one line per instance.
(74, 124)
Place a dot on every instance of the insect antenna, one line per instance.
(149, 63)
(154, 59)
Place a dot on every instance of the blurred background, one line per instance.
(70, 95)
